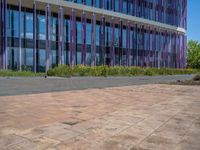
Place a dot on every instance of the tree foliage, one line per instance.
(193, 56)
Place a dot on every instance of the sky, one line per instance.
(193, 28)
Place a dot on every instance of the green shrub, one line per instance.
(61, 70)
(79, 70)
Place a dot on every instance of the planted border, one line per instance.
(79, 70)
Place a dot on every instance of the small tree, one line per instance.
(193, 56)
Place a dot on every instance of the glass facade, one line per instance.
(41, 40)
(165, 11)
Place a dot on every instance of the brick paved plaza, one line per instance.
(138, 117)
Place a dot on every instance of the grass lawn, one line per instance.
(10, 73)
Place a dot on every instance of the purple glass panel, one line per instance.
(112, 44)
(133, 46)
(148, 47)
(127, 6)
(3, 43)
(5, 35)
(48, 36)
(128, 43)
(160, 10)
(72, 39)
(1, 36)
(61, 36)
(120, 41)
(113, 4)
(83, 38)
(154, 47)
(135, 8)
(183, 52)
(93, 42)
(120, 5)
(102, 40)
(136, 45)
(174, 51)
(142, 50)
(19, 28)
(178, 53)
(34, 37)
(165, 49)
